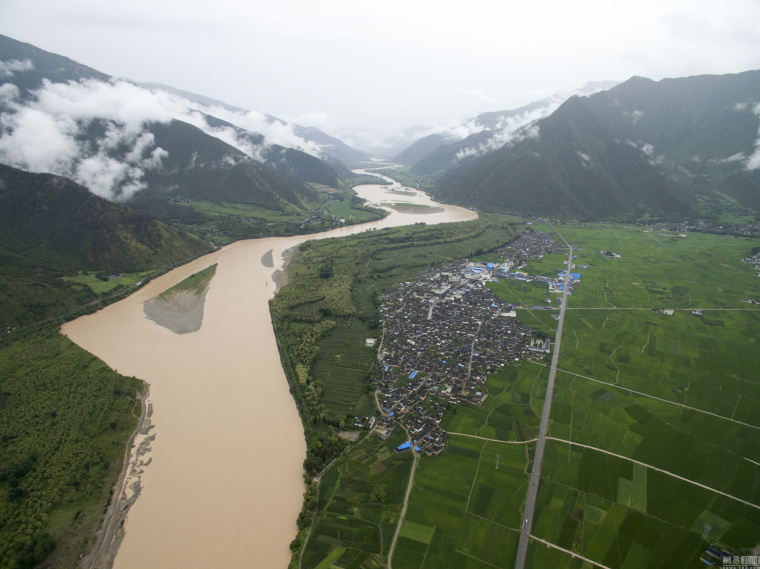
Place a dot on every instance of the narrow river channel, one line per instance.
(221, 485)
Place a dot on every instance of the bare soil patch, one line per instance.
(181, 312)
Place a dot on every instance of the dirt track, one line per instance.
(125, 492)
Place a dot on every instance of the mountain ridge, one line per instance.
(51, 227)
(625, 151)
(101, 130)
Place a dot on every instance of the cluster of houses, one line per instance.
(322, 217)
(446, 331)
(531, 244)
(703, 226)
(754, 260)
(443, 334)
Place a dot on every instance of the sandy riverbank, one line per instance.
(280, 276)
(125, 493)
(182, 312)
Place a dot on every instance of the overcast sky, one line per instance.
(389, 64)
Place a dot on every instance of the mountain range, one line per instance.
(451, 145)
(674, 148)
(671, 148)
(120, 139)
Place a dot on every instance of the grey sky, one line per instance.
(390, 64)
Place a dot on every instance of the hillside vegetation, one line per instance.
(51, 227)
(64, 420)
(669, 149)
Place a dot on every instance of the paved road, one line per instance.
(530, 499)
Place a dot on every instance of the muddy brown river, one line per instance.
(221, 485)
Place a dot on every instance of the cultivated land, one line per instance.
(653, 445)
(661, 405)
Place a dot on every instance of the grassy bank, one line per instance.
(195, 283)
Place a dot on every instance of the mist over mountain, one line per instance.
(667, 147)
(328, 148)
(664, 147)
(378, 144)
(450, 145)
(64, 118)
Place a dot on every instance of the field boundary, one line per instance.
(633, 460)
(568, 552)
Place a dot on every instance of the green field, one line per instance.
(664, 409)
(344, 369)
(223, 222)
(511, 412)
(464, 511)
(107, 283)
(358, 506)
(679, 393)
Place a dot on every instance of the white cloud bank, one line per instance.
(50, 132)
(753, 162)
(12, 66)
(510, 128)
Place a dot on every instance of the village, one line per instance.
(445, 332)
(754, 260)
(703, 226)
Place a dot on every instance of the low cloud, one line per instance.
(8, 93)
(39, 141)
(586, 161)
(753, 162)
(49, 135)
(635, 116)
(455, 130)
(738, 157)
(512, 128)
(12, 66)
(50, 132)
